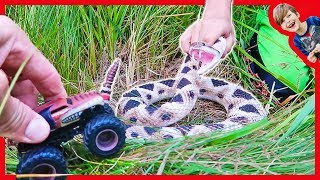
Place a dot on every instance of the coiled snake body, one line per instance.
(149, 121)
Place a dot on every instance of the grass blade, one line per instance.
(303, 113)
(13, 82)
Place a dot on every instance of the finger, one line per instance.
(230, 43)
(211, 38)
(312, 59)
(185, 42)
(195, 34)
(45, 77)
(39, 70)
(26, 92)
(17, 121)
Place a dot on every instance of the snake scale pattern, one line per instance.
(146, 120)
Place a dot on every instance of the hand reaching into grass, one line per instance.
(18, 121)
(215, 22)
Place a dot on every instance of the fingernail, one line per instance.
(37, 130)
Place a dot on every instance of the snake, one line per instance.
(146, 119)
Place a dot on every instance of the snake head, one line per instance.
(210, 56)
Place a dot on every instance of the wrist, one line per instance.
(217, 9)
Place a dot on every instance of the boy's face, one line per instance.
(291, 22)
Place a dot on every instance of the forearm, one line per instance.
(217, 9)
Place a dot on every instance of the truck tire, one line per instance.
(43, 160)
(104, 135)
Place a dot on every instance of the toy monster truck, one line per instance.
(87, 114)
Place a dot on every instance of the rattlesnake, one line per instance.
(143, 119)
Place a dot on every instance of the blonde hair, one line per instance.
(281, 10)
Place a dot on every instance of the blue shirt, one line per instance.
(308, 41)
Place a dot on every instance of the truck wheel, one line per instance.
(104, 135)
(43, 160)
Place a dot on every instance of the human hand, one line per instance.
(311, 57)
(202, 31)
(317, 51)
(214, 24)
(314, 54)
(18, 121)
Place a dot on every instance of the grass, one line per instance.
(81, 41)
(13, 82)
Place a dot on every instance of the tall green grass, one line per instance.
(81, 41)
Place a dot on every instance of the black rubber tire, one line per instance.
(109, 126)
(51, 159)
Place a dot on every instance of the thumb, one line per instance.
(230, 44)
(18, 121)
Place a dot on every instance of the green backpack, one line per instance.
(283, 65)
